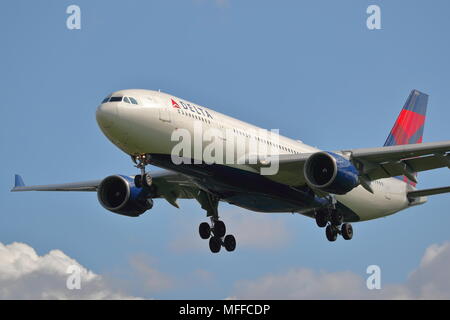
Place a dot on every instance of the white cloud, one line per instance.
(152, 279)
(300, 284)
(429, 281)
(26, 275)
(255, 231)
(260, 231)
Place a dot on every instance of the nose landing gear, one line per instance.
(143, 180)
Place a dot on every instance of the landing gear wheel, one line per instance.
(321, 219)
(336, 218)
(347, 231)
(149, 204)
(147, 180)
(331, 232)
(219, 229)
(138, 181)
(204, 230)
(215, 244)
(229, 243)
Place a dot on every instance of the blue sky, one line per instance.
(310, 68)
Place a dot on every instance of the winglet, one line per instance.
(18, 181)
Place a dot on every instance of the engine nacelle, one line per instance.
(119, 194)
(331, 173)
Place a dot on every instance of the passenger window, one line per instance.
(126, 100)
(133, 100)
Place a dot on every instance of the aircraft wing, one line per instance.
(91, 185)
(290, 170)
(170, 185)
(373, 163)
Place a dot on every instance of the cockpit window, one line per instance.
(119, 99)
(115, 99)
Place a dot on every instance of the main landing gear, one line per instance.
(216, 235)
(216, 231)
(143, 180)
(333, 220)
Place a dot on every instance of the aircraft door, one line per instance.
(164, 114)
(164, 111)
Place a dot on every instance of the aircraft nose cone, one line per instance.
(106, 115)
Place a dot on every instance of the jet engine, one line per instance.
(331, 173)
(119, 194)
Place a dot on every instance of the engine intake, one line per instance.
(119, 194)
(331, 173)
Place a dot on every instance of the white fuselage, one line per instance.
(148, 128)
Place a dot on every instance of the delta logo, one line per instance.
(188, 107)
(174, 104)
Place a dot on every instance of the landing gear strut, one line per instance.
(216, 231)
(143, 180)
(333, 220)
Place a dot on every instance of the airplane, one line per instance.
(336, 188)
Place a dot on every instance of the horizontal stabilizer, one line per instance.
(428, 192)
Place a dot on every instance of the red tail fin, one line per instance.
(408, 127)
